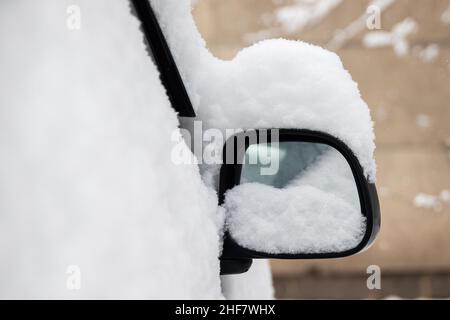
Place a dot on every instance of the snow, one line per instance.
(397, 38)
(341, 37)
(427, 201)
(430, 53)
(253, 285)
(318, 211)
(274, 83)
(445, 17)
(423, 121)
(292, 18)
(378, 39)
(271, 78)
(303, 13)
(382, 114)
(295, 77)
(204, 76)
(437, 203)
(85, 145)
(86, 174)
(444, 196)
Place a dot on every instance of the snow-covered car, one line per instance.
(101, 100)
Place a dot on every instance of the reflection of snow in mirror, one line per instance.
(316, 212)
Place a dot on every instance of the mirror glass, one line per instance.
(295, 198)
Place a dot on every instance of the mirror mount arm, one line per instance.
(234, 266)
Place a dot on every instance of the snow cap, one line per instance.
(272, 84)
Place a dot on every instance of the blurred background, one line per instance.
(403, 71)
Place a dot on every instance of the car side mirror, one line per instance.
(293, 194)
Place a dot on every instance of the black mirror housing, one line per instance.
(237, 259)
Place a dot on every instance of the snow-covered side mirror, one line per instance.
(293, 194)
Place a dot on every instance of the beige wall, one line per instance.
(411, 159)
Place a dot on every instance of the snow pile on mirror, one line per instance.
(86, 177)
(317, 212)
(272, 84)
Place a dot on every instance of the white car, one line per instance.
(94, 200)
